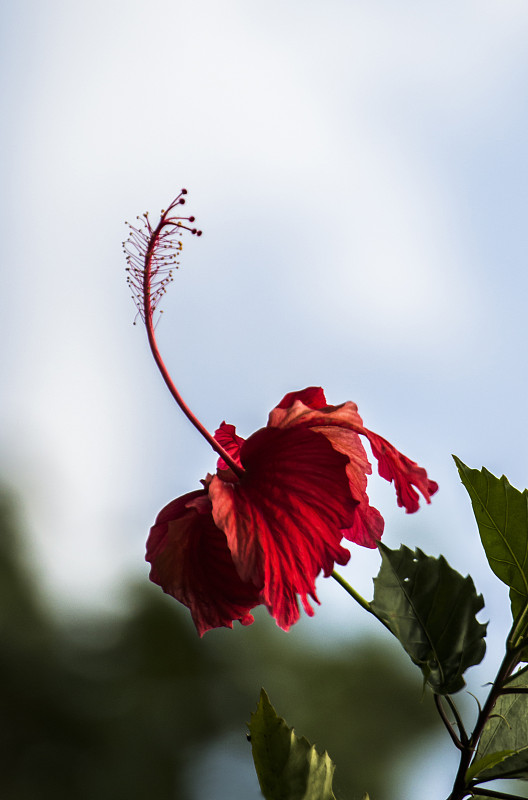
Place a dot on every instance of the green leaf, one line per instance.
(505, 732)
(501, 512)
(486, 762)
(431, 609)
(288, 767)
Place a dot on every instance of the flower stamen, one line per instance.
(152, 256)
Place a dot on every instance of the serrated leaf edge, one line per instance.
(464, 472)
(264, 705)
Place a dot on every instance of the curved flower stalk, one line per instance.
(276, 512)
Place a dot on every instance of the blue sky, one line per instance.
(359, 172)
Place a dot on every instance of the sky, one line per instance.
(359, 170)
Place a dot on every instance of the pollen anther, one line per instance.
(152, 255)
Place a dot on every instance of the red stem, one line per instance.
(236, 468)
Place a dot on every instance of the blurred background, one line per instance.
(359, 170)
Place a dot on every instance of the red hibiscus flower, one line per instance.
(275, 514)
(264, 536)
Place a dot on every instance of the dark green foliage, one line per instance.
(501, 512)
(288, 767)
(503, 747)
(431, 610)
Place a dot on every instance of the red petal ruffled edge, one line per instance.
(191, 561)
(283, 519)
(394, 466)
(304, 408)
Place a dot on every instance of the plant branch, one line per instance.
(460, 787)
(518, 630)
(464, 738)
(352, 592)
(443, 716)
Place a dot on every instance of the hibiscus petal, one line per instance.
(313, 397)
(227, 436)
(283, 519)
(392, 465)
(313, 412)
(368, 526)
(191, 561)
